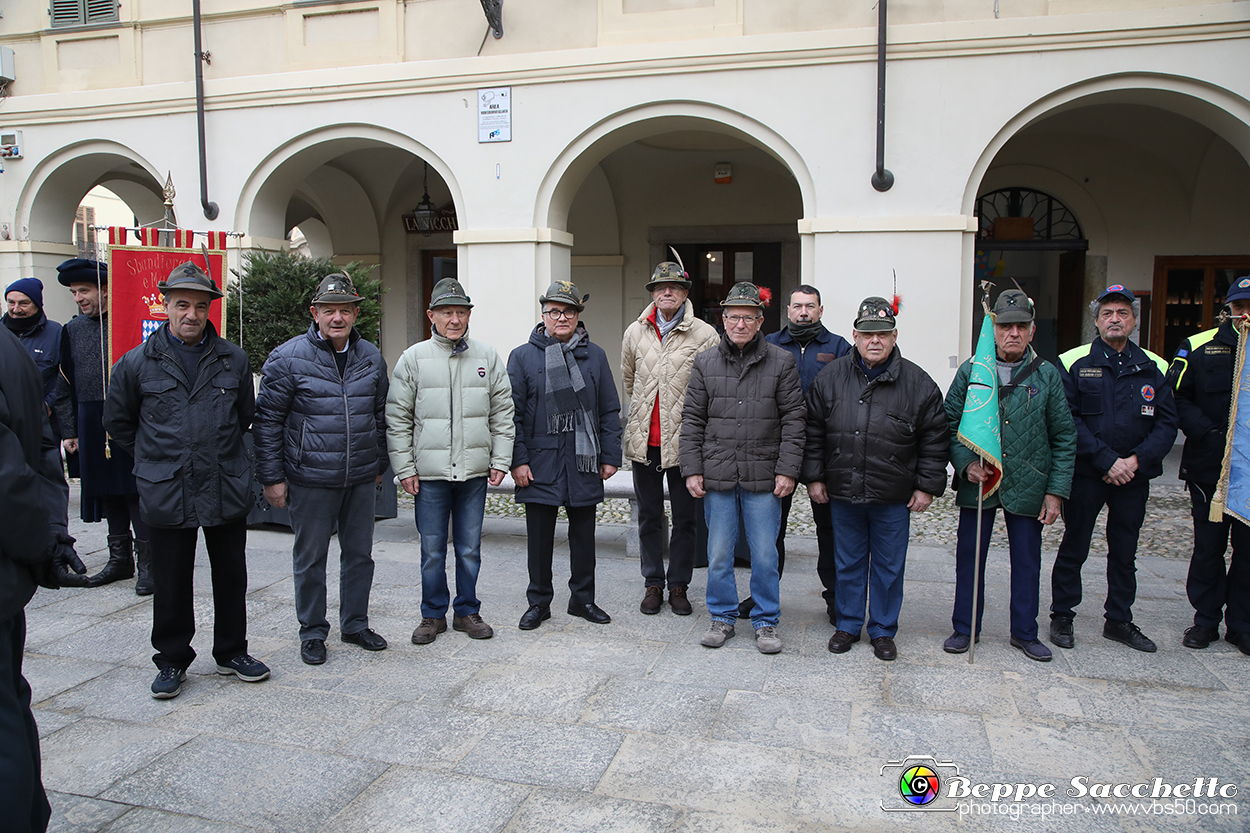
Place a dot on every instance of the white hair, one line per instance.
(1095, 307)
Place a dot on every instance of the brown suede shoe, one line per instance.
(428, 629)
(677, 600)
(652, 601)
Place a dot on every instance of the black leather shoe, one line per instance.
(1130, 635)
(313, 651)
(1061, 632)
(366, 639)
(884, 649)
(1200, 636)
(1241, 640)
(533, 617)
(841, 642)
(590, 612)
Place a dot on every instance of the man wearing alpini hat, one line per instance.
(741, 451)
(180, 403)
(449, 431)
(568, 441)
(876, 452)
(657, 354)
(108, 486)
(320, 440)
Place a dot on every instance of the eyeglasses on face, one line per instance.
(741, 319)
(558, 314)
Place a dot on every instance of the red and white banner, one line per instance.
(135, 306)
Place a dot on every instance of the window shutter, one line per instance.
(67, 12)
(99, 11)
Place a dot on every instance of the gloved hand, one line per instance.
(68, 567)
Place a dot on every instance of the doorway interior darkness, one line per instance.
(715, 267)
(436, 264)
(1188, 293)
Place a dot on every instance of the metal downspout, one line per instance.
(210, 208)
(882, 179)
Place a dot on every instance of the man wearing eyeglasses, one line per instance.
(568, 441)
(449, 432)
(657, 354)
(741, 451)
(1125, 424)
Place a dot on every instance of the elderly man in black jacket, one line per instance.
(180, 404)
(568, 441)
(320, 441)
(876, 451)
(742, 450)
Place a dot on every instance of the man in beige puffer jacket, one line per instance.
(449, 431)
(656, 356)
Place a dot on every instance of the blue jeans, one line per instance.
(464, 503)
(314, 511)
(1024, 538)
(761, 515)
(870, 549)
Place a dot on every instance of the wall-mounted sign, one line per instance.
(444, 221)
(494, 114)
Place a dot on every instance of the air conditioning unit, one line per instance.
(6, 65)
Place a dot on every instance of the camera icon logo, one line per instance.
(917, 782)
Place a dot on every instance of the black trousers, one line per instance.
(1126, 511)
(173, 605)
(825, 567)
(24, 802)
(122, 513)
(687, 510)
(1218, 593)
(540, 530)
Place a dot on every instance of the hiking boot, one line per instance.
(428, 629)
(677, 600)
(718, 633)
(472, 625)
(652, 601)
(767, 641)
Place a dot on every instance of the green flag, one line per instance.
(978, 427)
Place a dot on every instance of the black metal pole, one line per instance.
(210, 208)
(882, 179)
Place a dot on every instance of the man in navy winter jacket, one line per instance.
(1125, 424)
(320, 440)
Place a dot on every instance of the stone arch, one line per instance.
(50, 197)
(570, 168)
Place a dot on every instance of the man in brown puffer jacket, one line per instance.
(741, 450)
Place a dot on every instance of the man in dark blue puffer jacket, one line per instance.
(320, 439)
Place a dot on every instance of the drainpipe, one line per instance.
(210, 208)
(882, 179)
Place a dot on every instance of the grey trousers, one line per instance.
(313, 514)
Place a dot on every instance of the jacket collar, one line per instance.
(649, 314)
(158, 348)
(324, 343)
(1100, 354)
(453, 347)
(892, 365)
(1226, 333)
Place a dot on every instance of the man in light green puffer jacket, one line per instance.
(449, 431)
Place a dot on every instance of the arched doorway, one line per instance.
(349, 193)
(1151, 167)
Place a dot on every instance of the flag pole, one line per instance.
(976, 570)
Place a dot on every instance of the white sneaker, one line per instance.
(717, 634)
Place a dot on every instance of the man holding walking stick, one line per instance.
(1038, 445)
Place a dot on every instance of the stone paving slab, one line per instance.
(627, 726)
